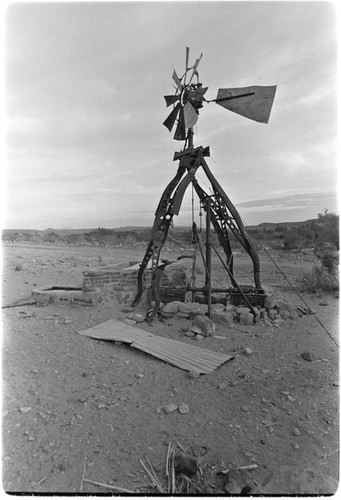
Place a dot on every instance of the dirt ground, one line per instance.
(77, 409)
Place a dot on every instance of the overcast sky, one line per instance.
(84, 87)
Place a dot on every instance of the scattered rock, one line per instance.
(189, 307)
(171, 308)
(199, 337)
(323, 303)
(272, 313)
(294, 315)
(236, 481)
(218, 307)
(190, 333)
(270, 302)
(222, 386)
(129, 322)
(193, 374)
(25, 409)
(278, 322)
(308, 356)
(185, 464)
(183, 408)
(222, 317)
(248, 350)
(170, 408)
(241, 310)
(139, 318)
(283, 305)
(205, 324)
(246, 318)
(195, 330)
(82, 399)
(296, 432)
(285, 315)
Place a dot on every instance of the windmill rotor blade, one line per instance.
(187, 57)
(170, 120)
(190, 115)
(195, 67)
(180, 132)
(171, 99)
(253, 102)
(177, 80)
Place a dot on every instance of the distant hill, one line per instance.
(282, 235)
(288, 225)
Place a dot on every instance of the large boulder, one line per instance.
(178, 274)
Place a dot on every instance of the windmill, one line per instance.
(253, 102)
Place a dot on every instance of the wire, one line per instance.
(299, 295)
(294, 290)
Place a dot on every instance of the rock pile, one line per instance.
(276, 311)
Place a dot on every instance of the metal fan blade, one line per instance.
(177, 80)
(180, 132)
(254, 102)
(171, 99)
(187, 57)
(190, 115)
(195, 67)
(170, 120)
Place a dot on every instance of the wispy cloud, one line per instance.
(84, 99)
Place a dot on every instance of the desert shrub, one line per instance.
(319, 279)
(329, 262)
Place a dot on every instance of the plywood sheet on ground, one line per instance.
(172, 351)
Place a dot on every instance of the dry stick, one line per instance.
(113, 425)
(167, 459)
(41, 481)
(154, 474)
(155, 483)
(84, 466)
(190, 481)
(181, 447)
(173, 473)
(110, 486)
(244, 467)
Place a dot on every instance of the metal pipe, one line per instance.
(208, 283)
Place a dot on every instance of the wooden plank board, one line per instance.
(184, 356)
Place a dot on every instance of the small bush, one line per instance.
(319, 279)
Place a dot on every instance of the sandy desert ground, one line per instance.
(77, 409)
